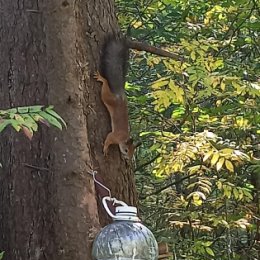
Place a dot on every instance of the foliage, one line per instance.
(26, 119)
(200, 123)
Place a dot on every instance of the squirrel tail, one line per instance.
(114, 63)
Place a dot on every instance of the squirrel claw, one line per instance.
(97, 76)
(105, 152)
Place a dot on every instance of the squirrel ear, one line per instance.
(129, 141)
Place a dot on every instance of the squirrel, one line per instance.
(112, 76)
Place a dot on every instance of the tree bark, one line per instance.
(49, 51)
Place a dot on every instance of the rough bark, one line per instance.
(49, 51)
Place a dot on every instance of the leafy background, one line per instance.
(198, 169)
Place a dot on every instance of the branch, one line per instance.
(146, 163)
(167, 186)
(141, 46)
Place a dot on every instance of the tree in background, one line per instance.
(198, 113)
(49, 52)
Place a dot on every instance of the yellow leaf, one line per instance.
(179, 94)
(206, 21)
(193, 55)
(222, 85)
(215, 82)
(219, 185)
(177, 166)
(207, 65)
(191, 155)
(161, 99)
(229, 165)
(220, 163)
(137, 24)
(159, 84)
(156, 60)
(224, 120)
(236, 193)
(207, 155)
(227, 151)
(227, 192)
(205, 189)
(215, 158)
(218, 103)
(197, 199)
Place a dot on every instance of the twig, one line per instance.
(146, 163)
(33, 11)
(36, 167)
(141, 46)
(167, 186)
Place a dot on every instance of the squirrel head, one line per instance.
(127, 148)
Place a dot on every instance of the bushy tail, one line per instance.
(114, 63)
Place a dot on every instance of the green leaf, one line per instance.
(3, 112)
(35, 109)
(236, 193)
(193, 55)
(5, 123)
(16, 125)
(57, 116)
(209, 251)
(12, 111)
(52, 120)
(22, 110)
(30, 122)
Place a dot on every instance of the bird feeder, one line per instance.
(126, 238)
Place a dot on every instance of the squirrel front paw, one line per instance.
(98, 77)
(105, 149)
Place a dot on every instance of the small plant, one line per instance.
(26, 119)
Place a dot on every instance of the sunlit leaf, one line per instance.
(208, 155)
(215, 158)
(229, 165)
(220, 163)
(159, 84)
(209, 251)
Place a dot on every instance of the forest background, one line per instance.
(198, 170)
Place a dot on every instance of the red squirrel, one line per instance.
(113, 70)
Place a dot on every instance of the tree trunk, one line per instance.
(48, 206)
